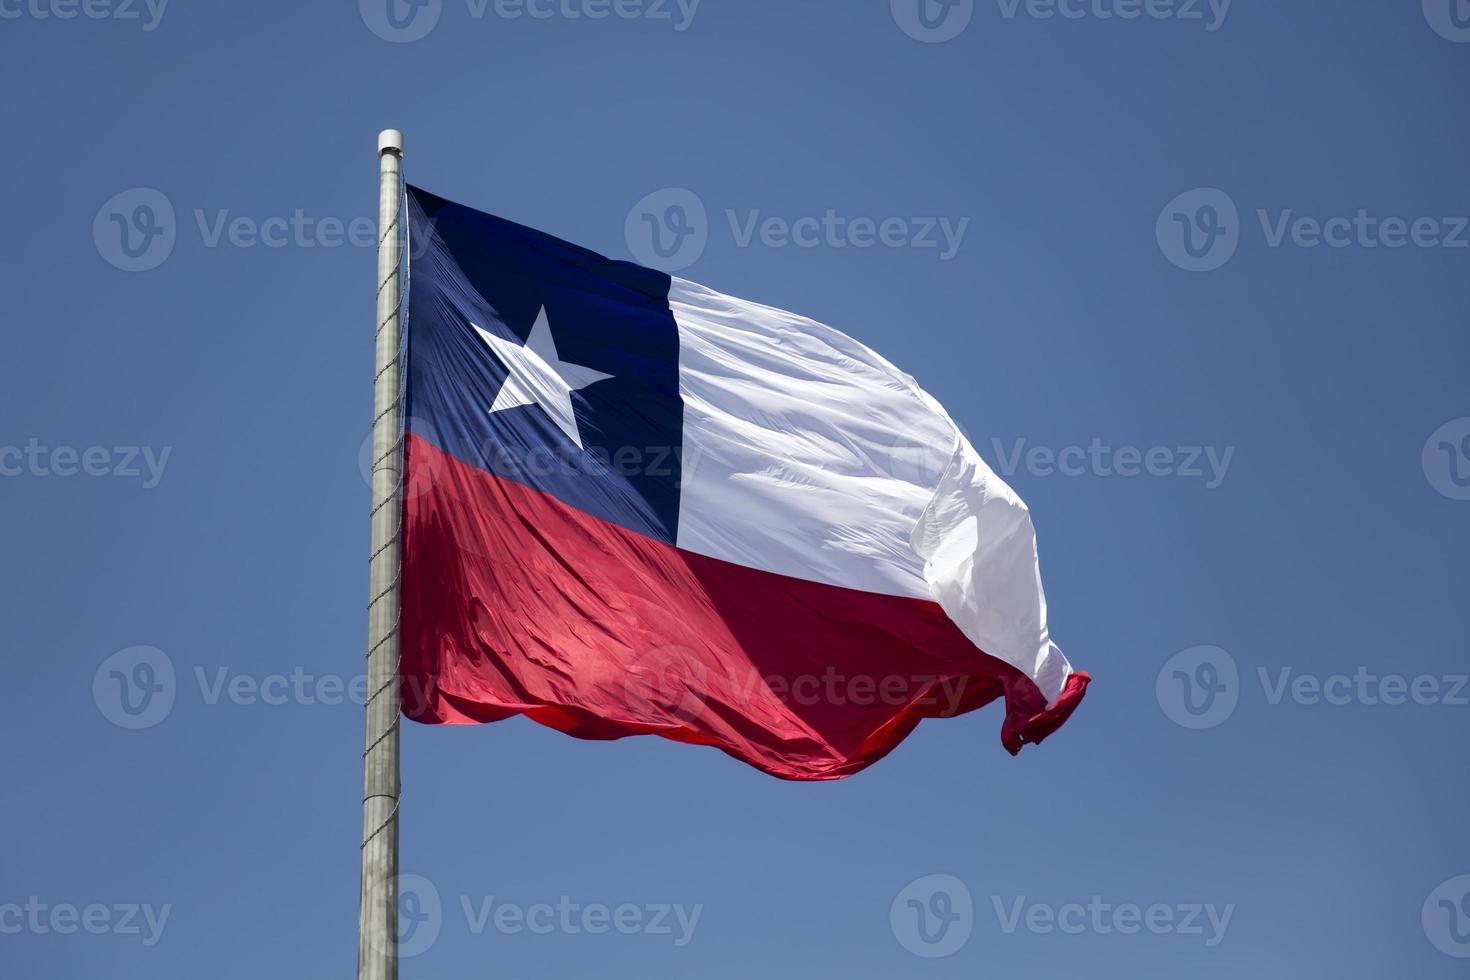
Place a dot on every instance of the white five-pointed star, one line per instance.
(538, 376)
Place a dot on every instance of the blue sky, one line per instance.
(1201, 300)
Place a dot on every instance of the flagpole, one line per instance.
(377, 954)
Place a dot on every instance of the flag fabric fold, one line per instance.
(634, 505)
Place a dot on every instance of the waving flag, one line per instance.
(636, 505)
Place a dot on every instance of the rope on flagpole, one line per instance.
(394, 451)
(391, 816)
(377, 948)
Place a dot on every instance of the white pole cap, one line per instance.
(390, 141)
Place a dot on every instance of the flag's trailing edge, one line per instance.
(636, 505)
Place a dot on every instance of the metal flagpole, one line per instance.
(377, 953)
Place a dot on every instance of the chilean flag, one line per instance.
(634, 505)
